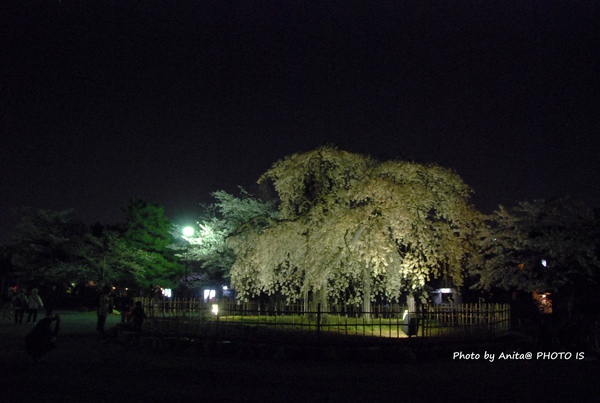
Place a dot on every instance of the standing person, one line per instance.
(125, 308)
(34, 302)
(19, 303)
(138, 316)
(103, 308)
(51, 300)
(42, 338)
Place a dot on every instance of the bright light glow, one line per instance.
(404, 316)
(225, 287)
(446, 290)
(188, 231)
(209, 294)
(215, 309)
(544, 263)
(166, 292)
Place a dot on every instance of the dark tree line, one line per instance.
(56, 247)
(544, 246)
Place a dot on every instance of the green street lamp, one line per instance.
(188, 231)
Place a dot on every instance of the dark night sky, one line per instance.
(168, 101)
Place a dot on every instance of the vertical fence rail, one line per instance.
(466, 319)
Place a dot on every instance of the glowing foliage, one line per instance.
(350, 224)
(208, 245)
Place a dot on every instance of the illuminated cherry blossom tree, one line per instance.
(352, 228)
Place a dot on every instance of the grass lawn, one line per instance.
(88, 367)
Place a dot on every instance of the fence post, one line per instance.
(319, 328)
(319, 321)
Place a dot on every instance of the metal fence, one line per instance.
(472, 320)
(188, 317)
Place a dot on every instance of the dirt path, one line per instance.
(87, 367)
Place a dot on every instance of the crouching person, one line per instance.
(42, 338)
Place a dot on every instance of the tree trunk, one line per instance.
(305, 307)
(319, 297)
(323, 300)
(411, 303)
(366, 295)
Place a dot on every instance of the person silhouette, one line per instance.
(103, 308)
(19, 303)
(42, 338)
(138, 316)
(34, 303)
